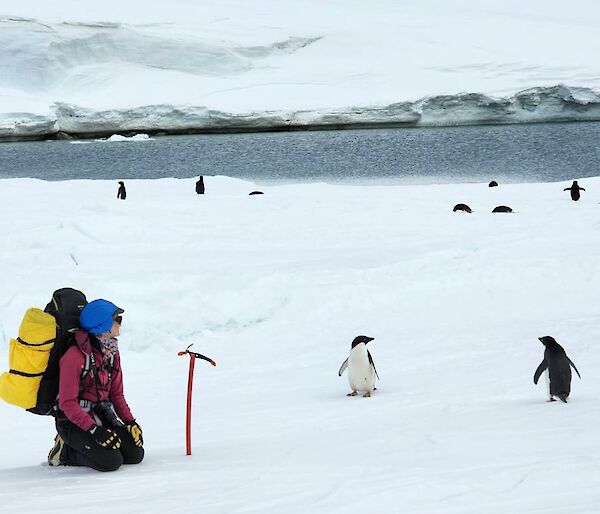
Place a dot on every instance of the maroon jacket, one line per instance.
(69, 391)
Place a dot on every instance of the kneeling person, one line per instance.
(94, 423)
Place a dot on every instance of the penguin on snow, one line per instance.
(557, 366)
(575, 188)
(121, 192)
(361, 367)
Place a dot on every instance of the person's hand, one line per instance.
(135, 431)
(105, 437)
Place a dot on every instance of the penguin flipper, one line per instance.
(343, 368)
(538, 372)
(373, 364)
(574, 367)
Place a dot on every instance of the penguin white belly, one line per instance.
(361, 375)
(547, 380)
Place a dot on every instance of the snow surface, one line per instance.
(150, 65)
(274, 287)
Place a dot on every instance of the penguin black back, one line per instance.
(502, 208)
(575, 188)
(559, 368)
(462, 207)
(200, 185)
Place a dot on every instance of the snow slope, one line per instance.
(274, 288)
(151, 65)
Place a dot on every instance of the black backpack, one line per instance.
(65, 306)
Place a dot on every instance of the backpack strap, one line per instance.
(111, 364)
(49, 341)
(110, 368)
(86, 365)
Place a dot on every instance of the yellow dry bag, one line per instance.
(28, 358)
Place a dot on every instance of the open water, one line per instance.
(509, 153)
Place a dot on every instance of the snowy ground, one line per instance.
(151, 64)
(274, 288)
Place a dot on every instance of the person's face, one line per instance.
(115, 330)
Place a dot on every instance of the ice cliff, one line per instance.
(292, 66)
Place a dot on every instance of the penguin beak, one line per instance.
(369, 339)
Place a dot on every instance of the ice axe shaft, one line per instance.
(188, 414)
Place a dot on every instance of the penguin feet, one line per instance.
(353, 393)
(367, 394)
(552, 399)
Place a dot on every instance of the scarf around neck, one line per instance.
(109, 347)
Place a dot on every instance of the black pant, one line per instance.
(81, 449)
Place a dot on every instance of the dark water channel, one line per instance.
(510, 153)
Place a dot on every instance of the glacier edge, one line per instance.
(559, 103)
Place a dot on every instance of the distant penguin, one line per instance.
(200, 185)
(256, 193)
(493, 183)
(502, 208)
(558, 370)
(575, 188)
(121, 193)
(361, 367)
(462, 207)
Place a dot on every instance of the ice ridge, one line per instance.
(535, 105)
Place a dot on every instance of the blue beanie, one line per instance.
(97, 316)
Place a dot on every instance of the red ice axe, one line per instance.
(188, 414)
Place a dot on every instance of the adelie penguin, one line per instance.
(121, 192)
(361, 367)
(575, 188)
(557, 366)
(200, 186)
(463, 207)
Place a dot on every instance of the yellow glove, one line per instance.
(135, 431)
(105, 437)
